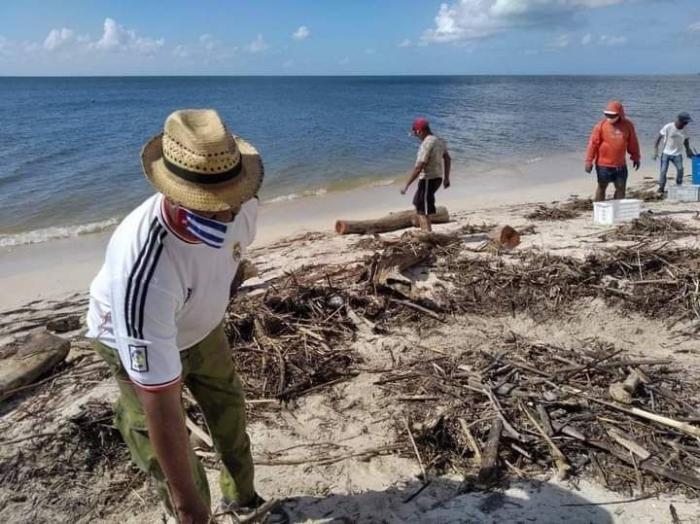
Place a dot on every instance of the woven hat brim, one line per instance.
(204, 197)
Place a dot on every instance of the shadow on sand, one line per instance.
(443, 502)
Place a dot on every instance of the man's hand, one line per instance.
(655, 156)
(403, 191)
(446, 183)
(589, 168)
(636, 165)
(165, 421)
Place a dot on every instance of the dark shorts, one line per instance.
(424, 199)
(611, 175)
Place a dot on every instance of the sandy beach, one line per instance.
(55, 268)
(353, 419)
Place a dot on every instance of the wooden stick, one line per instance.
(626, 442)
(417, 307)
(198, 432)
(471, 441)
(665, 421)
(415, 449)
(563, 466)
(544, 417)
(488, 471)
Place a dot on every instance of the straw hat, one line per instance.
(199, 164)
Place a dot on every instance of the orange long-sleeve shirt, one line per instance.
(610, 142)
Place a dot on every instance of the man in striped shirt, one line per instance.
(157, 308)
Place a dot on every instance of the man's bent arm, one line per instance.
(168, 434)
(656, 146)
(688, 151)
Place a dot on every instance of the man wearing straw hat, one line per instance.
(157, 307)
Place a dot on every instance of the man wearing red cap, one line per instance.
(611, 139)
(432, 169)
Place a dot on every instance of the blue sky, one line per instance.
(290, 37)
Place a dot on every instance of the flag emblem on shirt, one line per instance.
(237, 252)
(139, 358)
(211, 232)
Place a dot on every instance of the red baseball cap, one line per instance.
(420, 124)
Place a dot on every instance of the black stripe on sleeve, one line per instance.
(130, 282)
(149, 276)
(139, 279)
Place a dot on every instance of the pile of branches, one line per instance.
(647, 226)
(57, 470)
(526, 408)
(291, 339)
(646, 194)
(568, 210)
(294, 338)
(656, 280)
(542, 212)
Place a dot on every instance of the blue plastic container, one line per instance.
(696, 169)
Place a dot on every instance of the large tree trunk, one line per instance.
(390, 222)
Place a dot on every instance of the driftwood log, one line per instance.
(390, 222)
(25, 360)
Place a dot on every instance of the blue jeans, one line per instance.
(677, 161)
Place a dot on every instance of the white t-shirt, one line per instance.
(158, 293)
(673, 139)
(431, 151)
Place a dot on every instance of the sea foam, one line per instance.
(38, 236)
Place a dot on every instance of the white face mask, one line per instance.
(211, 232)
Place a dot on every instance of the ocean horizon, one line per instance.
(69, 149)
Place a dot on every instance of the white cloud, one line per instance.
(369, 51)
(288, 63)
(4, 46)
(405, 43)
(344, 61)
(561, 41)
(302, 33)
(117, 38)
(58, 38)
(695, 26)
(463, 20)
(586, 39)
(612, 40)
(258, 45)
(207, 42)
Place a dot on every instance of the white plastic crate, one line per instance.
(684, 193)
(614, 211)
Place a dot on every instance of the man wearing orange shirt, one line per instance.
(611, 139)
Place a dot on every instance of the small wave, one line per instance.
(295, 196)
(343, 185)
(383, 183)
(38, 236)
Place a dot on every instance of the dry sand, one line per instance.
(356, 415)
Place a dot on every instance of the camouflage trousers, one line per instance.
(209, 374)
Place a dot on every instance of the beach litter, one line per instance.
(514, 408)
(573, 208)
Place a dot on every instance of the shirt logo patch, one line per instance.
(237, 252)
(138, 356)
